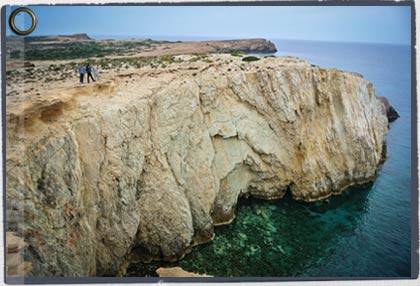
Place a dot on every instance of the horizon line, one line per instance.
(112, 37)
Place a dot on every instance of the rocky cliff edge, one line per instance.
(150, 161)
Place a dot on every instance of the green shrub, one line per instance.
(250, 59)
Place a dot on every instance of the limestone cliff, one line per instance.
(152, 159)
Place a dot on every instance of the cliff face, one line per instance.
(151, 161)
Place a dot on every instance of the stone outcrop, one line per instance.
(177, 272)
(389, 110)
(150, 161)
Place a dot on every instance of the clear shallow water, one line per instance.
(364, 232)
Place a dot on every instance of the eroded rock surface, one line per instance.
(150, 160)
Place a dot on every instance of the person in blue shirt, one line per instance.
(81, 70)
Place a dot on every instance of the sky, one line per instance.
(373, 24)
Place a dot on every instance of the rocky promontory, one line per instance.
(389, 110)
(247, 46)
(148, 160)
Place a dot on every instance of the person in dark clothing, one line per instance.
(89, 72)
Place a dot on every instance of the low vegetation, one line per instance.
(250, 59)
(76, 50)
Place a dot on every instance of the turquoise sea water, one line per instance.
(365, 232)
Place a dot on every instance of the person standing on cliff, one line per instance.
(89, 72)
(81, 70)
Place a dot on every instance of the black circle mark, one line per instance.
(12, 21)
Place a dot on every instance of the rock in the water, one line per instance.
(92, 176)
(389, 111)
(177, 272)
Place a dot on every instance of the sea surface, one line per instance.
(364, 232)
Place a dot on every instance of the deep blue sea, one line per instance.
(365, 232)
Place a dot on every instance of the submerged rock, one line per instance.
(92, 176)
